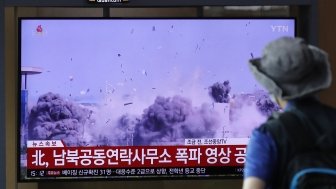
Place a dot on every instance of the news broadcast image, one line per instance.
(140, 98)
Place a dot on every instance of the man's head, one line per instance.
(290, 68)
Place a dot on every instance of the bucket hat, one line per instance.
(290, 68)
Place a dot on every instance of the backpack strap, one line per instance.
(326, 171)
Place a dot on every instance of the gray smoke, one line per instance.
(238, 103)
(203, 123)
(266, 106)
(124, 132)
(171, 120)
(248, 111)
(220, 92)
(55, 118)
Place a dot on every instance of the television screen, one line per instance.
(140, 98)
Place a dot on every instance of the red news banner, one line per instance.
(54, 155)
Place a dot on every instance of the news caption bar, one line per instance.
(196, 157)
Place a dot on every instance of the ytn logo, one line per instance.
(279, 28)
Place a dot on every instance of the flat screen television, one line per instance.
(139, 98)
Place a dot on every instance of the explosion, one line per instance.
(220, 92)
(171, 120)
(55, 118)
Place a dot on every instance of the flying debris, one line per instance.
(71, 78)
(172, 26)
(153, 28)
(197, 47)
(128, 103)
(153, 88)
(101, 90)
(87, 90)
(144, 72)
(70, 59)
(119, 55)
(252, 55)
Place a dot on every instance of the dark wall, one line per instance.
(327, 41)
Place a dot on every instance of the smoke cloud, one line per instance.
(171, 120)
(220, 92)
(55, 118)
(123, 133)
(168, 121)
(266, 106)
(248, 111)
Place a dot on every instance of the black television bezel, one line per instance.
(133, 178)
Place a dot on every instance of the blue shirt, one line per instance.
(262, 156)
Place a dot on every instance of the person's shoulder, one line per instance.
(316, 110)
(271, 123)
